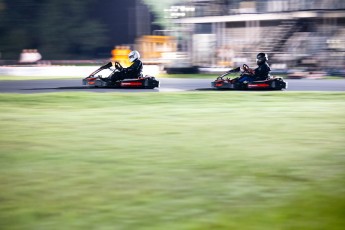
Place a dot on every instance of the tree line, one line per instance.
(57, 28)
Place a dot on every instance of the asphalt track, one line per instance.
(166, 85)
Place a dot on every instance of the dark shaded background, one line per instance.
(69, 29)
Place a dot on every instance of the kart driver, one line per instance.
(133, 71)
(260, 73)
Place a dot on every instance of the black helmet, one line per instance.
(261, 58)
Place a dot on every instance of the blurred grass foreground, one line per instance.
(217, 160)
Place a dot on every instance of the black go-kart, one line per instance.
(271, 83)
(141, 82)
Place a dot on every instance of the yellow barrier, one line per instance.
(120, 54)
(152, 46)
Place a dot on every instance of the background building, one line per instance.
(309, 33)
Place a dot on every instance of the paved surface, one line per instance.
(166, 85)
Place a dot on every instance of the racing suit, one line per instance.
(260, 73)
(134, 71)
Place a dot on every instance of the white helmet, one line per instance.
(134, 55)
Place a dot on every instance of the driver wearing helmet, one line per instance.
(260, 73)
(133, 71)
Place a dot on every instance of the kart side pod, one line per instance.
(147, 82)
(275, 83)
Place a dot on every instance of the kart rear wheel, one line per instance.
(273, 85)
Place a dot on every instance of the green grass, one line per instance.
(334, 77)
(194, 160)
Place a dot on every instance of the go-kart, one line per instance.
(271, 83)
(142, 82)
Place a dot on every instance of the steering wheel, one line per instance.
(118, 66)
(247, 69)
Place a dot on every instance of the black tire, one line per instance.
(273, 84)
